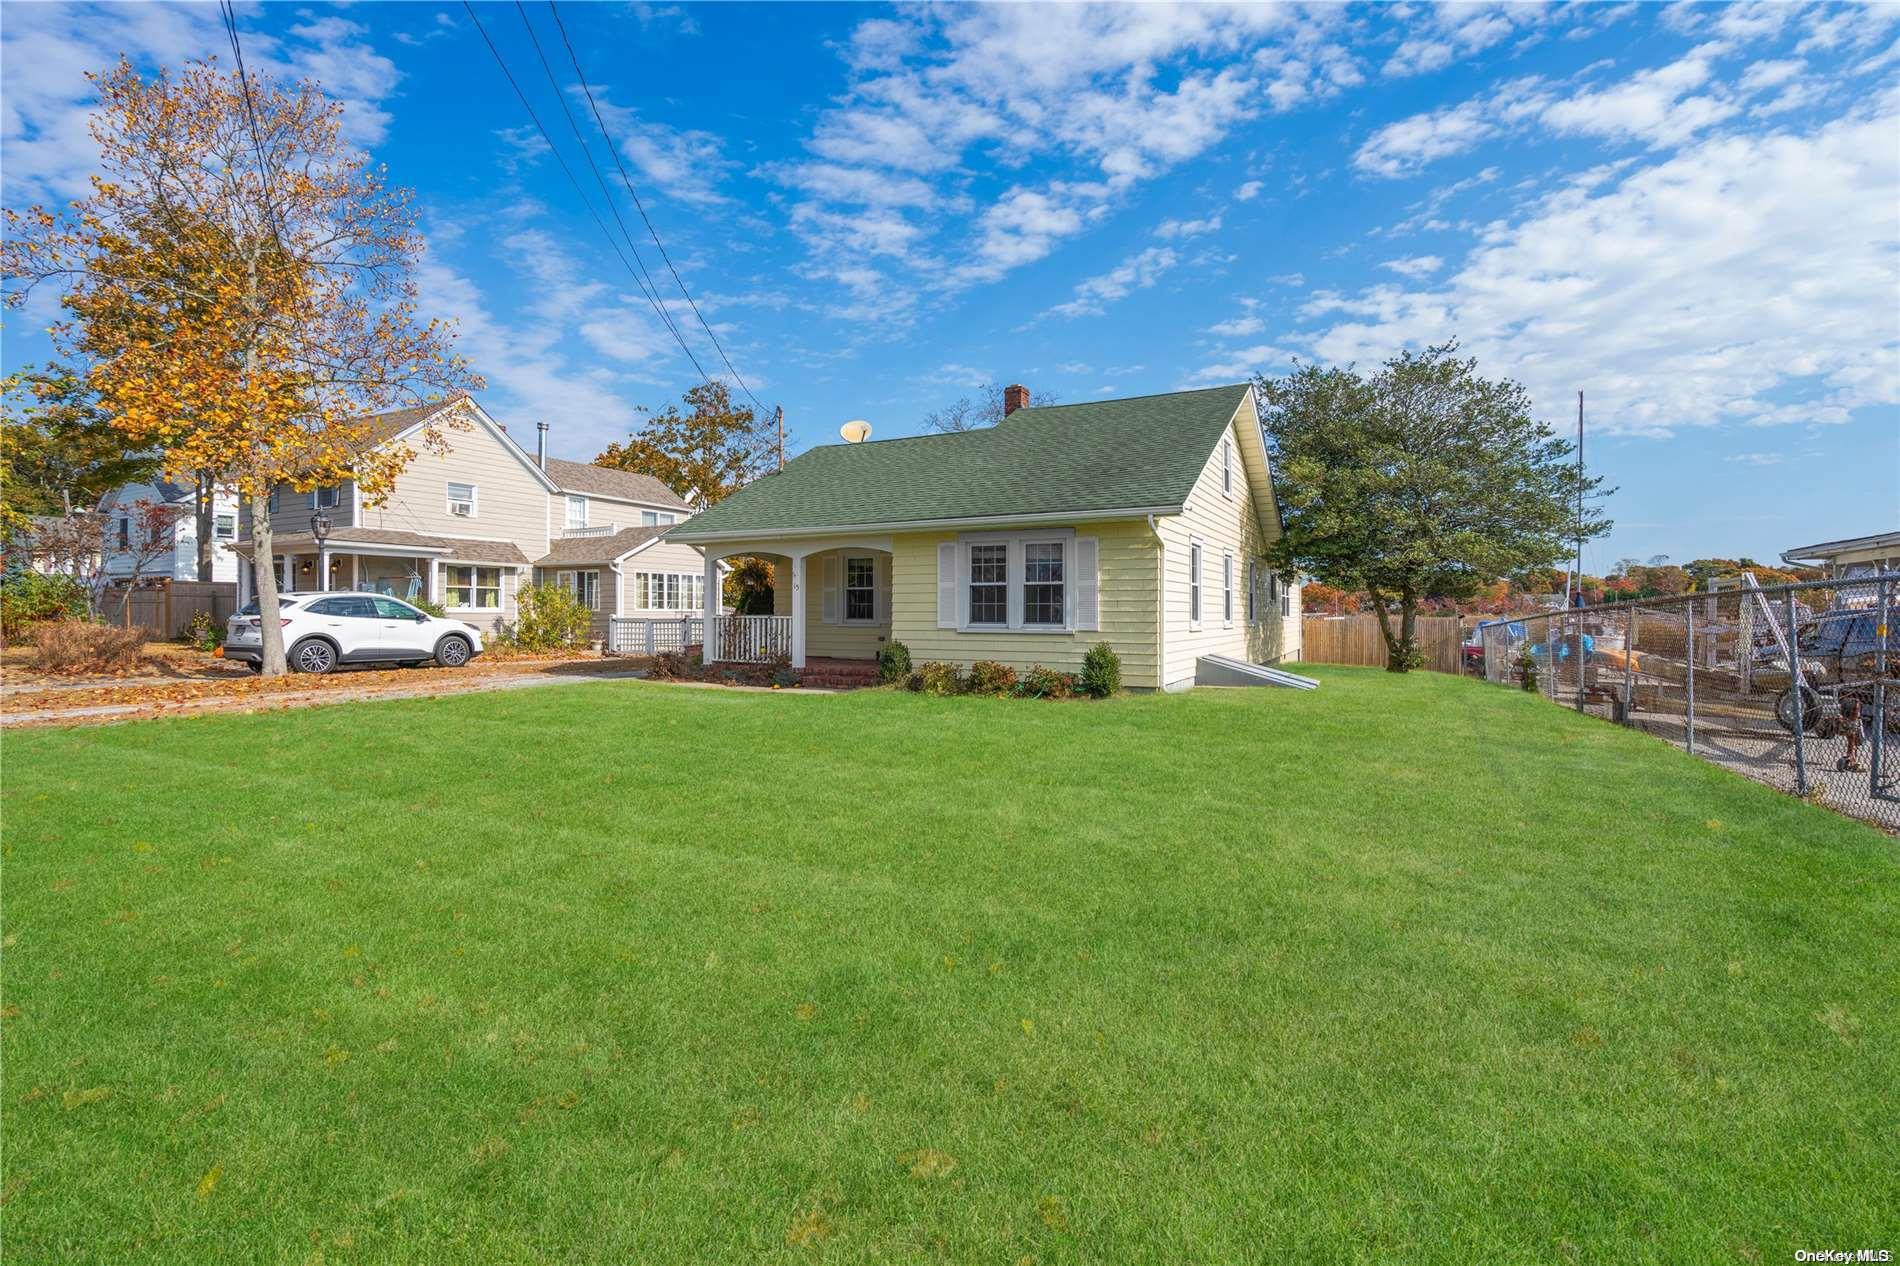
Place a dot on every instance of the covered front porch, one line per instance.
(831, 606)
(476, 580)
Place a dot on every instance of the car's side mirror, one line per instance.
(422, 617)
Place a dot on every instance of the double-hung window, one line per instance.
(327, 498)
(462, 500)
(1042, 583)
(224, 527)
(1227, 588)
(1194, 584)
(1286, 597)
(989, 584)
(860, 589)
(576, 512)
(474, 588)
(125, 532)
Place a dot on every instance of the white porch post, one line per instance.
(290, 573)
(798, 611)
(323, 571)
(709, 608)
(243, 582)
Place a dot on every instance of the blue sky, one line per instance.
(1689, 212)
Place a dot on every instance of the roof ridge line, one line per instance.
(1148, 395)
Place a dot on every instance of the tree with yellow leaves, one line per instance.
(240, 288)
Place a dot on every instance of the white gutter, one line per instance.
(922, 525)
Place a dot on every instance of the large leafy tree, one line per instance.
(60, 450)
(240, 282)
(710, 449)
(1421, 480)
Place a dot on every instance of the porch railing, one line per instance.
(650, 635)
(754, 639)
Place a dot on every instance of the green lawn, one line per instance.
(1401, 969)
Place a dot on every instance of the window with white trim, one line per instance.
(576, 512)
(1194, 583)
(473, 588)
(989, 584)
(860, 590)
(1043, 600)
(461, 500)
(1286, 597)
(1227, 588)
(327, 498)
(1227, 467)
(584, 585)
(224, 527)
(668, 591)
(655, 518)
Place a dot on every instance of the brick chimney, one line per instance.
(1015, 396)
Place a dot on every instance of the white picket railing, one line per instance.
(650, 635)
(754, 639)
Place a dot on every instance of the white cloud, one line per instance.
(1456, 30)
(1169, 230)
(1401, 148)
(1248, 191)
(1745, 280)
(48, 49)
(1099, 98)
(1417, 267)
(1241, 365)
(1137, 272)
(1654, 106)
(684, 163)
(1755, 459)
(1238, 327)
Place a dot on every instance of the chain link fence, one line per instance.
(1797, 686)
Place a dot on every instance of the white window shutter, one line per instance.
(881, 596)
(1015, 584)
(947, 585)
(828, 604)
(1084, 597)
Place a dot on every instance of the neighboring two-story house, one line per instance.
(151, 529)
(469, 526)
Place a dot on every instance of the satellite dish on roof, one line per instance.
(855, 431)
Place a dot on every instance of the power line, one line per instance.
(614, 151)
(606, 195)
(521, 96)
(271, 221)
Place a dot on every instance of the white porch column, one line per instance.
(323, 570)
(710, 605)
(798, 611)
(243, 582)
(290, 573)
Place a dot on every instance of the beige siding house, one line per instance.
(469, 525)
(1140, 523)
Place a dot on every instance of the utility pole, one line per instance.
(778, 417)
(1579, 494)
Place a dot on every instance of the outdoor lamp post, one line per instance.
(320, 528)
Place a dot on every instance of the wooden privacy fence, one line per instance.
(166, 606)
(1355, 639)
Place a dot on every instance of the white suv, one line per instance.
(323, 630)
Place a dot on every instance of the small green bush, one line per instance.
(548, 617)
(1527, 671)
(26, 597)
(987, 677)
(1045, 683)
(893, 663)
(938, 679)
(429, 606)
(1101, 671)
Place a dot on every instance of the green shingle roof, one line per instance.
(1141, 453)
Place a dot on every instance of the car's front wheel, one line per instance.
(453, 651)
(313, 655)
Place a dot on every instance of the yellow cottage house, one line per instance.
(1137, 522)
